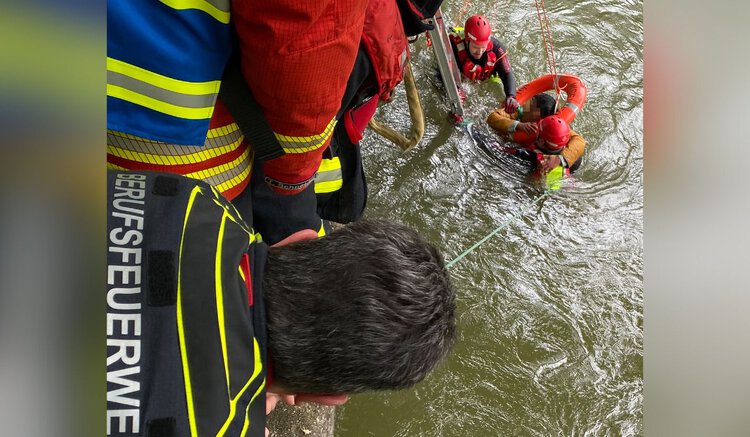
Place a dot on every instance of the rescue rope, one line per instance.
(549, 49)
(518, 214)
(415, 111)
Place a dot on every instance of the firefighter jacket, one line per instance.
(186, 339)
(165, 62)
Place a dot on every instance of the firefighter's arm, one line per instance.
(574, 150)
(503, 123)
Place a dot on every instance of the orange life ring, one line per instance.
(573, 87)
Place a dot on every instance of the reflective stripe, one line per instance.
(161, 81)
(322, 230)
(224, 142)
(157, 152)
(191, 100)
(328, 187)
(328, 178)
(305, 144)
(160, 94)
(572, 106)
(181, 326)
(232, 177)
(332, 175)
(257, 366)
(219, 9)
(219, 296)
(512, 127)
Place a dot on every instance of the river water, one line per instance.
(550, 310)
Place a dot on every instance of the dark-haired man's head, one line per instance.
(539, 106)
(368, 307)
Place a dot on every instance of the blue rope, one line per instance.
(518, 214)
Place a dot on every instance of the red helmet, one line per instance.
(555, 132)
(477, 29)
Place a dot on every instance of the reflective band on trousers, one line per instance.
(219, 9)
(293, 144)
(224, 161)
(328, 178)
(178, 98)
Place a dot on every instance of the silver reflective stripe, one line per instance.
(572, 106)
(222, 5)
(229, 174)
(302, 144)
(512, 127)
(143, 145)
(160, 94)
(328, 176)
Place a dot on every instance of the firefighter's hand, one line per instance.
(471, 70)
(511, 105)
(549, 163)
(528, 127)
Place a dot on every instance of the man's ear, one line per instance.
(304, 234)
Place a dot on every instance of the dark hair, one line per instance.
(368, 307)
(545, 103)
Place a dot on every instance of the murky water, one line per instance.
(550, 309)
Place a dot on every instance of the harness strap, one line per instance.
(248, 115)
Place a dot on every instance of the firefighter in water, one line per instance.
(556, 145)
(481, 56)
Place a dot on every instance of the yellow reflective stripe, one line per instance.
(213, 171)
(180, 325)
(224, 186)
(246, 426)
(161, 81)
(322, 230)
(304, 144)
(220, 298)
(329, 164)
(242, 274)
(202, 5)
(222, 131)
(328, 186)
(114, 167)
(257, 366)
(216, 138)
(159, 106)
(203, 154)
